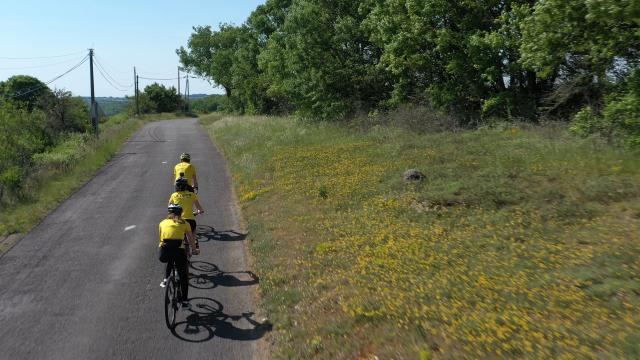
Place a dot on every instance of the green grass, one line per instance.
(519, 243)
(54, 183)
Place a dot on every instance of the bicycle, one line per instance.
(172, 296)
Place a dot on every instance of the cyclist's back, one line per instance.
(185, 169)
(187, 200)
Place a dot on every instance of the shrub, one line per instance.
(65, 153)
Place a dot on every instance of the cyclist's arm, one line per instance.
(195, 180)
(198, 206)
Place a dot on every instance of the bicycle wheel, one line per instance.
(171, 302)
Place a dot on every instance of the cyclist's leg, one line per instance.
(164, 255)
(183, 271)
(192, 224)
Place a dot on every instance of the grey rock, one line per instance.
(413, 175)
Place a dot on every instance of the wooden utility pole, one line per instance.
(135, 82)
(94, 107)
(178, 81)
(186, 91)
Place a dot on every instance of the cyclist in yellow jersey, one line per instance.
(187, 200)
(172, 230)
(186, 170)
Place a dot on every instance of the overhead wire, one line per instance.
(37, 87)
(110, 79)
(104, 69)
(40, 57)
(39, 66)
(148, 78)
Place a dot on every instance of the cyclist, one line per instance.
(187, 200)
(186, 170)
(173, 230)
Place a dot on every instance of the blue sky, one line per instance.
(124, 34)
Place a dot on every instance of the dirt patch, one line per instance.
(7, 242)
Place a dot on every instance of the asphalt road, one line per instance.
(84, 284)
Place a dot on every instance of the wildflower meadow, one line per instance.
(519, 243)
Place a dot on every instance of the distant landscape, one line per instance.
(116, 105)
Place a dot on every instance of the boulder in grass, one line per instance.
(413, 175)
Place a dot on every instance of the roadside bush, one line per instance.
(21, 136)
(67, 152)
(618, 121)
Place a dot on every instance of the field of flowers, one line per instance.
(519, 243)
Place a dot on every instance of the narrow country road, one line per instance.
(84, 284)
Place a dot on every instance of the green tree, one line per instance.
(162, 99)
(228, 57)
(64, 113)
(24, 90)
(21, 136)
(322, 61)
(461, 55)
(591, 50)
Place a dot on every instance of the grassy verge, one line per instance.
(52, 184)
(519, 243)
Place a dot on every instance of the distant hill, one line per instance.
(110, 105)
(115, 105)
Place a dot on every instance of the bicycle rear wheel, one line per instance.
(171, 303)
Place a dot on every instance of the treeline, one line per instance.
(209, 103)
(34, 119)
(525, 60)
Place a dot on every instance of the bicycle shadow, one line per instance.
(206, 233)
(207, 320)
(210, 276)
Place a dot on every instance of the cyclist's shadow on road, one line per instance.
(206, 233)
(206, 320)
(208, 276)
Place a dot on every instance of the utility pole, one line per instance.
(187, 92)
(178, 81)
(135, 82)
(94, 107)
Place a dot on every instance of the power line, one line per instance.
(40, 57)
(147, 78)
(107, 76)
(107, 79)
(105, 70)
(37, 87)
(39, 66)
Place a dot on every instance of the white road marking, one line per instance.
(164, 162)
(129, 227)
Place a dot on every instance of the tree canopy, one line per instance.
(475, 59)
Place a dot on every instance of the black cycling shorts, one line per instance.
(192, 223)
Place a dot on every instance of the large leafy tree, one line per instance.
(24, 90)
(591, 48)
(64, 113)
(462, 55)
(228, 57)
(163, 99)
(322, 61)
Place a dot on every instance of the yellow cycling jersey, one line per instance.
(184, 199)
(172, 229)
(186, 168)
